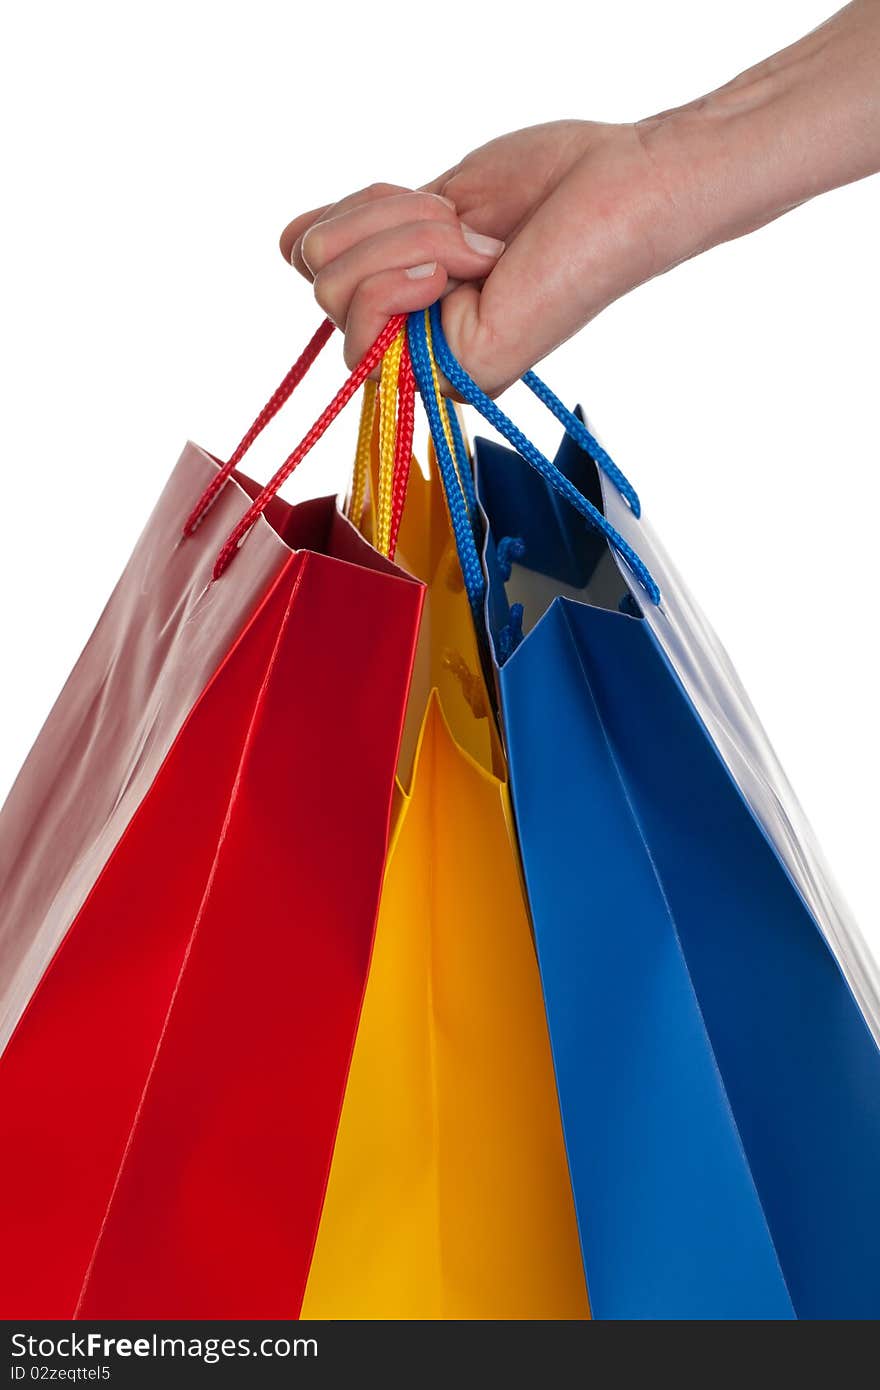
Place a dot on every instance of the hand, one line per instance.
(524, 238)
(531, 236)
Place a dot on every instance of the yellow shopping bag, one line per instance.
(449, 1194)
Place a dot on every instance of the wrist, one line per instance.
(722, 169)
(803, 122)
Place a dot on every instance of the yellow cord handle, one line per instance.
(384, 400)
(442, 403)
(360, 477)
(387, 436)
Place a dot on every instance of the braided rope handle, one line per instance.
(357, 497)
(461, 518)
(350, 387)
(581, 435)
(388, 391)
(471, 392)
(452, 432)
(403, 445)
(278, 398)
(413, 350)
(395, 440)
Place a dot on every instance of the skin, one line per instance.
(531, 236)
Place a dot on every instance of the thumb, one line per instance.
(498, 330)
(554, 276)
(474, 343)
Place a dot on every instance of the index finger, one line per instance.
(291, 237)
(293, 234)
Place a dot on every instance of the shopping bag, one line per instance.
(449, 1194)
(191, 865)
(712, 1009)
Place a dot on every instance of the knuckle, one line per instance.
(368, 297)
(430, 207)
(423, 243)
(380, 189)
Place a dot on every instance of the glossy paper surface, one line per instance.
(162, 635)
(169, 1098)
(449, 1194)
(719, 1085)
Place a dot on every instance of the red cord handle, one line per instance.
(270, 409)
(403, 444)
(370, 359)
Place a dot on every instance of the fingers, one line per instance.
(483, 354)
(380, 297)
(291, 238)
(385, 251)
(547, 285)
(413, 250)
(330, 236)
(438, 185)
(496, 330)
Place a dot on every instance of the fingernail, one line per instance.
(422, 272)
(448, 201)
(483, 245)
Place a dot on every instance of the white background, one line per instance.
(153, 154)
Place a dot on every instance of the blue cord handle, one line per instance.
(581, 435)
(461, 515)
(471, 392)
(463, 464)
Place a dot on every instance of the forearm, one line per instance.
(584, 211)
(804, 121)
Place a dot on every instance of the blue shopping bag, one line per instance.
(714, 1015)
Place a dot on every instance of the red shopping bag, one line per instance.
(190, 870)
